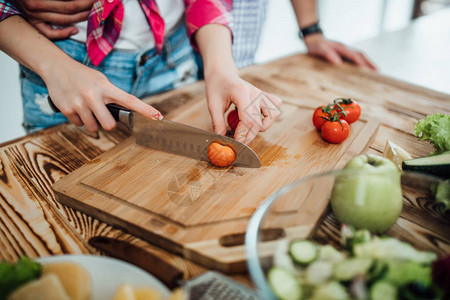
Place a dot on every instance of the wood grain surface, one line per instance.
(33, 223)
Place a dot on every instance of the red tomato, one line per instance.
(351, 108)
(319, 114)
(233, 119)
(221, 155)
(334, 132)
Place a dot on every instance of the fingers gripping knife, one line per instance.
(177, 138)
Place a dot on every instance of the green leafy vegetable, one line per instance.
(405, 272)
(436, 129)
(14, 275)
(387, 248)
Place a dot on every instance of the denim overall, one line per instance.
(141, 73)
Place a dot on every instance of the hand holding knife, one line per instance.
(177, 138)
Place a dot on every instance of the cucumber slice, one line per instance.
(330, 291)
(438, 165)
(383, 290)
(347, 269)
(303, 252)
(318, 272)
(284, 285)
(329, 254)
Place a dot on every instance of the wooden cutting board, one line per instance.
(200, 211)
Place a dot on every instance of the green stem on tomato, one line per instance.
(345, 101)
(336, 117)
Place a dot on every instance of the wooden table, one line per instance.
(33, 223)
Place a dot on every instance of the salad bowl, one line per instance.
(424, 201)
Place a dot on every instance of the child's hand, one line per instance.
(257, 110)
(81, 94)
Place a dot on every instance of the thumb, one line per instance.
(55, 33)
(217, 117)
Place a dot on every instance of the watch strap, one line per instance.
(311, 29)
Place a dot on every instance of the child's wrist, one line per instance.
(220, 69)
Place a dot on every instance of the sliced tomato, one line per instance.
(221, 155)
(335, 132)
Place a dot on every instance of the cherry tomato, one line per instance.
(319, 114)
(221, 155)
(233, 119)
(334, 132)
(351, 108)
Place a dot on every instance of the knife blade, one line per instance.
(177, 138)
(181, 139)
(210, 285)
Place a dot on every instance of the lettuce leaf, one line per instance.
(13, 275)
(436, 129)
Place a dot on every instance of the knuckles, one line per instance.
(61, 19)
(69, 7)
(32, 5)
(109, 126)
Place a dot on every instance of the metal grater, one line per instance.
(214, 286)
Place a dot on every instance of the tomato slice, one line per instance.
(221, 155)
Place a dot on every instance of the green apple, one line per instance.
(367, 193)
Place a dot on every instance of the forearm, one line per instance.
(214, 43)
(28, 47)
(79, 92)
(305, 12)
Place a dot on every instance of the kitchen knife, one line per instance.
(208, 286)
(177, 138)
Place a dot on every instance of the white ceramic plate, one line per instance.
(108, 274)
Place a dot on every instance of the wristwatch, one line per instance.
(314, 28)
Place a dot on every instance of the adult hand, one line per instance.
(335, 52)
(44, 13)
(257, 110)
(81, 94)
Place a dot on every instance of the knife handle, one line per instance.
(120, 114)
(168, 274)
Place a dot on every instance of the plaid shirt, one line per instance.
(105, 21)
(248, 21)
